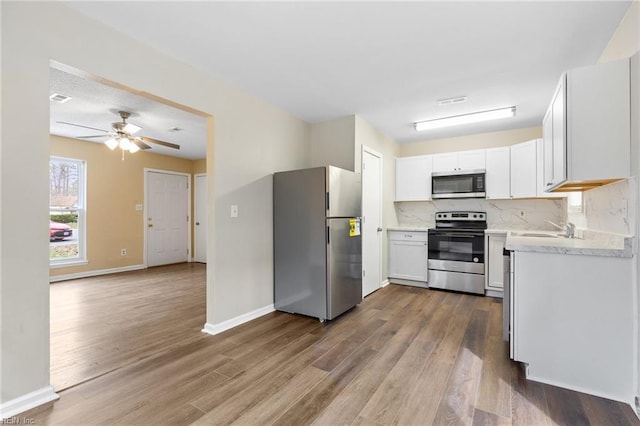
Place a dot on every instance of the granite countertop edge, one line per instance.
(592, 244)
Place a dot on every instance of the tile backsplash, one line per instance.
(611, 208)
(501, 214)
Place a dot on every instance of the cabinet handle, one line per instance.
(408, 236)
(549, 183)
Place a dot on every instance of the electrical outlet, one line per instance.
(123, 252)
(234, 210)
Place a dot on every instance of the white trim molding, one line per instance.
(214, 329)
(385, 283)
(26, 402)
(56, 278)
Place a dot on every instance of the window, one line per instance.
(574, 202)
(67, 211)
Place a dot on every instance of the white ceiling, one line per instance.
(96, 105)
(388, 62)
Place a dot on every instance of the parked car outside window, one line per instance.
(59, 231)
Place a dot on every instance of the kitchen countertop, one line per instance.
(407, 228)
(587, 243)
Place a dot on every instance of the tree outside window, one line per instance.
(66, 210)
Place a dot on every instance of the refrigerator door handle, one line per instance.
(327, 200)
(328, 233)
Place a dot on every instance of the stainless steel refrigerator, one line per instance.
(317, 241)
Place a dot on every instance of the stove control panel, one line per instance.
(462, 216)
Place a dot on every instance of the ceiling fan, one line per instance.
(121, 135)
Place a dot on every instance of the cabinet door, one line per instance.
(472, 160)
(408, 260)
(547, 148)
(497, 175)
(413, 178)
(523, 170)
(540, 168)
(495, 266)
(445, 162)
(559, 134)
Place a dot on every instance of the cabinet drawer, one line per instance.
(408, 236)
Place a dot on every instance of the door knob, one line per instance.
(379, 229)
(150, 225)
(197, 223)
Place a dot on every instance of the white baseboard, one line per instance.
(590, 391)
(234, 322)
(494, 293)
(385, 283)
(26, 402)
(86, 274)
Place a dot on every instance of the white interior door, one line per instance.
(167, 218)
(200, 233)
(372, 221)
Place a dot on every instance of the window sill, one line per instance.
(68, 263)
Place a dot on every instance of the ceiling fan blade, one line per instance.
(159, 142)
(140, 144)
(80, 125)
(93, 136)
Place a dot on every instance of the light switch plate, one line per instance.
(138, 207)
(234, 210)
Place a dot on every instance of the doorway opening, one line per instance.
(171, 142)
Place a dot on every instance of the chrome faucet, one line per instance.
(569, 229)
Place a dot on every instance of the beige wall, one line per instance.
(477, 141)
(332, 143)
(200, 166)
(114, 187)
(626, 40)
(239, 268)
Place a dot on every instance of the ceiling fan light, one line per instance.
(125, 143)
(133, 148)
(131, 128)
(111, 143)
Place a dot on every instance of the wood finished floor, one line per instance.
(403, 356)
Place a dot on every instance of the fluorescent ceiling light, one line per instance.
(474, 117)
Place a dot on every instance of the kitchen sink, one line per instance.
(535, 234)
(541, 235)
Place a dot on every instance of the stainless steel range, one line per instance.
(456, 251)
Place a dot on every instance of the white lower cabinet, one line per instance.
(494, 266)
(572, 321)
(408, 257)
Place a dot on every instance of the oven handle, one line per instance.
(455, 234)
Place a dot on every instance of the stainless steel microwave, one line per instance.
(458, 184)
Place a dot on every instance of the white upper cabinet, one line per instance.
(523, 170)
(586, 130)
(472, 160)
(445, 162)
(413, 178)
(463, 160)
(497, 173)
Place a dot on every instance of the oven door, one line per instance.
(457, 246)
